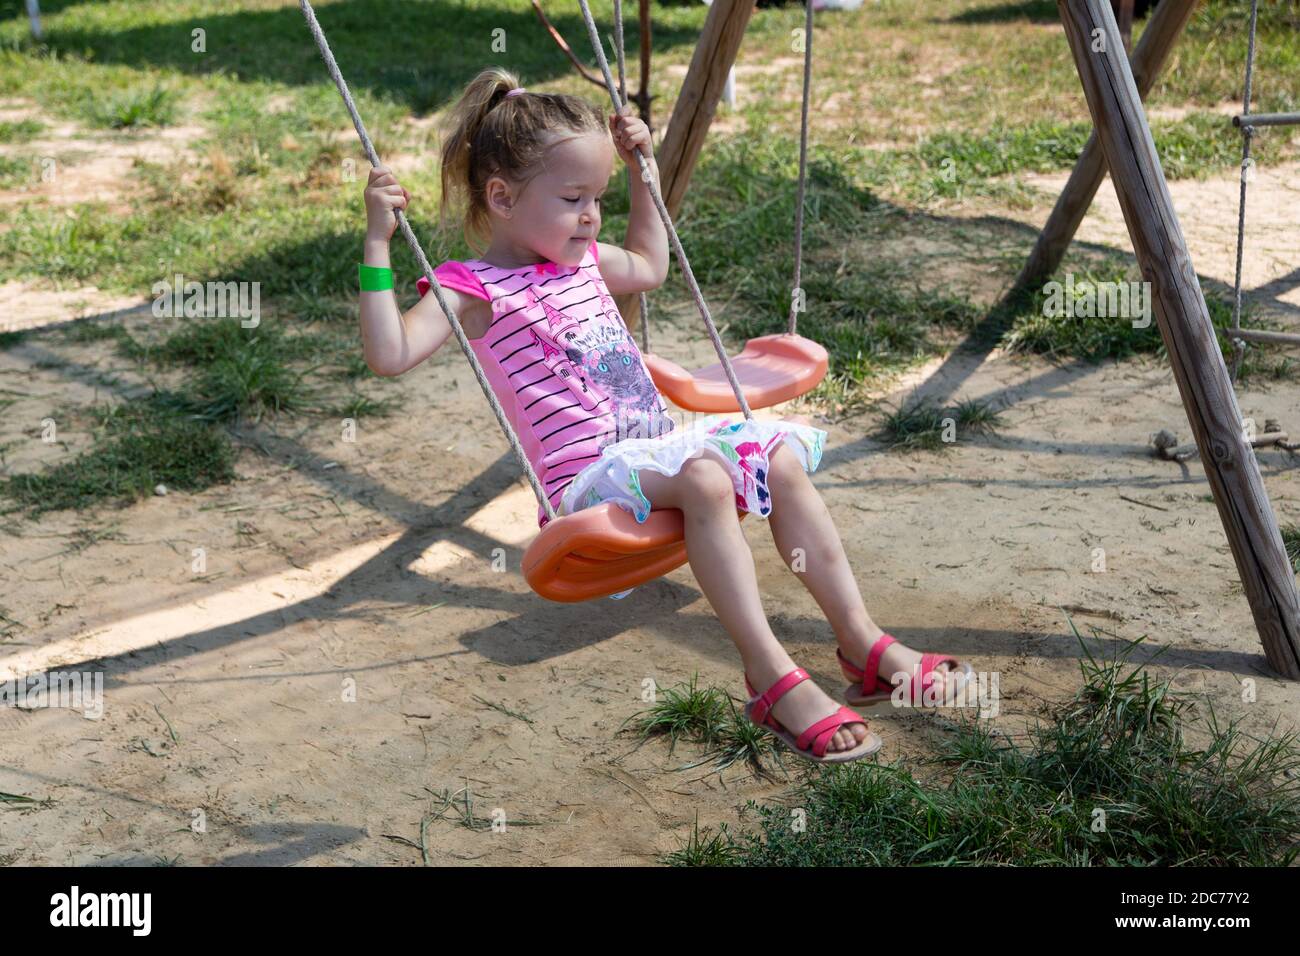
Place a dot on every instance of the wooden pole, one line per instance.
(1184, 322)
(1124, 17)
(1153, 49)
(715, 53)
(724, 28)
(642, 98)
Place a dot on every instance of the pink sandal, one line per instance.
(871, 691)
(758, 709)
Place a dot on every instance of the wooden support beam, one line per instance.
(1124, 17)
(642, 97)
(1184, 321)
(724, 28)
(1163, 30)
(715, 53)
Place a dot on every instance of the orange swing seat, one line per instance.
(771, 369)
(603, 550)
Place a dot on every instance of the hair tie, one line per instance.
(516, 91)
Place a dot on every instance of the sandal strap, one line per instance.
(871, 673)
(769, 697)
(925, 675)
(820, 733)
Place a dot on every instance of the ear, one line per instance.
(499, 196)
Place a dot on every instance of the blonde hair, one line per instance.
(488, 134)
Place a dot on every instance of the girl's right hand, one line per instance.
(383, 194)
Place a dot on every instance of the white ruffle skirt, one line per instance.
(744, 445)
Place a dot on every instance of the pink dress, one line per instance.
(561, 360)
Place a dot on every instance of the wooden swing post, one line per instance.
(715, 54)
(1162, 32)
(1184, 321)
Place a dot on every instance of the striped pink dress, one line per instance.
(562, 363)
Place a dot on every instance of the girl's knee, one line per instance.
(706, 485)
(784, 467)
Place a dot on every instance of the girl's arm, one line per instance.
(392, 342)
(642, 263)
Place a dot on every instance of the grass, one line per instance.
(137, 446)
(1040, 322)
(18, 131)
(1291, 541)
(1044, 323)
(230, 375)
(706, 716)
(1111, 778)
(923, 424)
(131, 109)
(14, 171)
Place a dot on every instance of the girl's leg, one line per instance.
(724, 566)
(799, 520)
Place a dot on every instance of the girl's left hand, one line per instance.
(631, 135)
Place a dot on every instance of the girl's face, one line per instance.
(557, 214)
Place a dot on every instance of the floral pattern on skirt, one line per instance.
(745, 445)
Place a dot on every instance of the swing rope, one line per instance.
(803, 164)
(803, 167)
(649, 180)
(1247, 132)
(622, 94)
(423, 260)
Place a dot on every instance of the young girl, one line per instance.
(538, 309)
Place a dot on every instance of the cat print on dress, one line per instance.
(559, 355)
(617, 367)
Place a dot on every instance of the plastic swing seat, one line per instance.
(771, 369)
(603, 550)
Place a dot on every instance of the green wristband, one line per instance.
(374, 278)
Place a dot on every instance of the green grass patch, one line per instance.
(19, 131)
(1110, 779)
(1061, 319)
(137, 446)
(240, 374)
(924, 424)
(1291, 541)
(14, 172)
(131, 109)
(706, 716)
